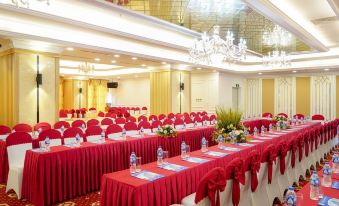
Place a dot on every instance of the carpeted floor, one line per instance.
(10, 199)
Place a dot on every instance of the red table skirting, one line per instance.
(120, 188)
(3, 162)
(64, 173)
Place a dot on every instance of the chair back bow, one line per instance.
(210, 185)
(300, 145)
(282, 149)
(252, 163)
(235, 171)
(269, 156)
(293, 146)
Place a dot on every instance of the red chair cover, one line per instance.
(269, 155)
(120, 120)
(282, 149)
(162, 116)
(293, 146)
(252, 163)
(92, 122)
(188, 120)
(312, 138)
(283, 114)
(153, 117)
(213, 117)
(178, 122)
(170, 116)
(197, 119)
(93, 130)
(235, 171)
(130, 126)
(156, 124)
(299, 116)
(63, 114)
(18, 138)
(144, 124)
(4, 130)
(142, 118)
(42, 125)
(72, 132)
(131, 119)
(168, 122)
(300, 146)
(318, 117)
(107, 121)
(193, 114)
(267, 114)
(51, 134)
(186, 115)
(113, 128)
(22, 128)
(205, 118)
(210, 184)
(307, 139)
(59, 124)
(78, 123)
(144, 108)
(101, 114)
(92, 109)
(204, 113)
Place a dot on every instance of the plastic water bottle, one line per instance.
(335, 166)
(291, 198)
(133, 162)
(77, 139)
(123, 134)
(314, 187)
(142, 132)
(284, 125)
(47, 142)
(83, 126)
(255, 131)
(185, 125)
(263, 129)
(220, 141)
(327, 175)
(62, 129)
(160, 155)
(183, 150)
(159, 128)
(195, 124)
(102, 137)
(271, 127)
(246, 133)
(204, 147)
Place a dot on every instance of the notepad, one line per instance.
(335, 185)
(216, 154)
(40, 150)
(3, 137)
(257, 141)
(172, 167)
(196, 160)
(245, 145)
(232, 149)
(135, 136)
(328, 201)
(147, 175)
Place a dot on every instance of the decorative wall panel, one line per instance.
(285, 98)
(253, 97)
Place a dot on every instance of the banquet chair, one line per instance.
(193, 114)
(146, 126)
(131, 128)
(101, 114)
(155, 125)
(131, 119)
(79, 123)
(106, 121)
(216, 179)
(17, 144)
(178, 116)
(291, 161)
(283, 114)
(4, 131)
(299, 116)
(213, 117)
(59, 124)
(137, 110)
(199, 114)
(267, 115)
(153, 117)
(144, 110)
(93, 134)
(142, 118)
(113, 131)
(23, 128)
(54, 136)
(179, 123)
(206, 119)
(92, 109)
(168, 122)
(63, 115)
(189, 122)
(42, 126)
(186, 115)
(318, 117)
(203, 113)
(71, 133)
(92, 122)
(197, 119)
(281, 173)
(161, 117)
(170, 116)
(120, 121)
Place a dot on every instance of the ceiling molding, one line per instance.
(335, 6)
(269, 10)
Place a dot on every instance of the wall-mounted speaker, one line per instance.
(112, 84)
(39, 79)
(80, 90)
(182, 86)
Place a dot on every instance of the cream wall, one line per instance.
(176, 78)
(226, 84)
(132, 92)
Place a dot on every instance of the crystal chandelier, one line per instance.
(277, 38)
(26, 3)
(220, 7)
(215, 50)
(86, 68)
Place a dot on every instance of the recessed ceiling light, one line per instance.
(119, 77)
(294, 71)
(143, 65)
(116, 55)
(113, 61)
(136, 76)
(70, 49)
(134, 58)
(326, 69)
(163, 63)
(97, 59)
(260, 73)
(199, 68)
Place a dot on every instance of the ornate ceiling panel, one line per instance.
(201, 15)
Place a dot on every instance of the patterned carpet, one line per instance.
(10, 199)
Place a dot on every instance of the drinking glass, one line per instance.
(164, 157)
(188, 151)
(138, 164)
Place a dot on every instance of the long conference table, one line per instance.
(123, 189)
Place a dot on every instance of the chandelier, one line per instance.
(86, 68)
(277, 38)
(26, 3)
(215, 50)
(219, 7)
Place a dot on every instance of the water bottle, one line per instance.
(327, 175)
(123, 134)
(133, 162)
(278, 126)
(142, 132)
(83, 126)
(77, 139)
(271, 127)
(195, 124)
(204, 145)
(246, 133)
(291, 198)
(47, 142)
(62, 129)
(335, 166)
(284, 125)
(183, 150)
(185, 125)
(263, 129)
(255, 131)
(314, 187)
(160, 155)
(220, 141)
(102, 137)
(302, 120)
(159, 128)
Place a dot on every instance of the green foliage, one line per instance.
(228, 119)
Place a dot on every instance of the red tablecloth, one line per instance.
(64, 173)
(3, 162)
(120, 188)
(251, 123)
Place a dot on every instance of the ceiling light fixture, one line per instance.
(163, 63)
(326, 69)
(70, 49)
(134, 58)
(143, 65)
(97, 59)
(26, 3)
(260, 73)
(215, 50)
(294, 71)
(113, 61)
(86, 68)
(116, 55)
(199, 68)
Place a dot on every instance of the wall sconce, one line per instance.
(38, 79)
(182, 86)
(80, 90)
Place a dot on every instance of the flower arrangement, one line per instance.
(280, 118)
(281, 121)
(167, 131)
(229, 125)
